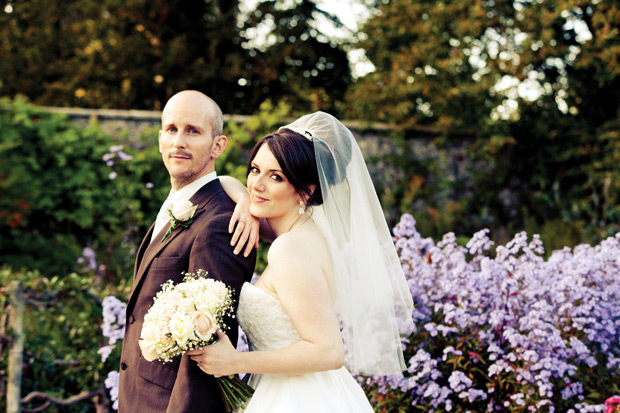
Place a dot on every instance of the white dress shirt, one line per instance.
(183, 194)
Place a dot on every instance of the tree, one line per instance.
(136, 54)
(536, 84)
(120, 54)
(298, 64)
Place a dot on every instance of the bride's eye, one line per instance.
(277, 178)
(254, 170)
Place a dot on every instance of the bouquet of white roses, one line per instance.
(187, 316)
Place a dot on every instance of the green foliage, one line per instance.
(456, 71)
(59, 195)
(62, 330)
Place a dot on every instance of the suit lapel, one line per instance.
(143, 246)
(149, 250)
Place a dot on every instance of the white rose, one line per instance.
(181, 327)
(205, 325)
(187, 305)
(172, 297)
(219, 289)
(148, 341)
(183, 211)
(207, 302)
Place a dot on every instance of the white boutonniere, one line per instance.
(181, 214)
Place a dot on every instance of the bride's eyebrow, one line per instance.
(254, 164)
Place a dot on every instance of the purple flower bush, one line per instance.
(499, 328)
(508, 330)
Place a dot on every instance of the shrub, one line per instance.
(62, 332)
(66, 187)
(509, 330)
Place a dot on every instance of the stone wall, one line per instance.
(375, 140)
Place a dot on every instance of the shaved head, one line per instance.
(212, 112)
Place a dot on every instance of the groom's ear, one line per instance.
(219, 144)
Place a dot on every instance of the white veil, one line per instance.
(372, 298)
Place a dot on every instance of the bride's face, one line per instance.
(271, 194)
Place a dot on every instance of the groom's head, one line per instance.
(190, 139)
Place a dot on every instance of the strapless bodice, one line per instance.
(264, 320)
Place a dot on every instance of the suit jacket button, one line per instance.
(123, 366)
(131, 319)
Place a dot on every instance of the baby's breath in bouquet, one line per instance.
(187, 316)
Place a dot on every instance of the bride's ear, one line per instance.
(306, 197)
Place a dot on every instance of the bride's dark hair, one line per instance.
(295, 154)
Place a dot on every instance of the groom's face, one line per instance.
(185, 141)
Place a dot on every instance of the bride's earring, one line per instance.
(301, 207)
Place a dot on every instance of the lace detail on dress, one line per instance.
(264, 320)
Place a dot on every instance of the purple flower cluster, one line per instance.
(113, 327)
(111, 382)
(511, 319)
(116, 153)
(88, 259)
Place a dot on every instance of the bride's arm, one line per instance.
(252, 227)
(303, 291)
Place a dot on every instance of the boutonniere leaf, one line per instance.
(181, 215)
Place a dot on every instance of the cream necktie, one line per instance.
(163, 217)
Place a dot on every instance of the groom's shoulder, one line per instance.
(214, 199)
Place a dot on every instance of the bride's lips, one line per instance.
(256, 198)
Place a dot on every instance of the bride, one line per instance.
(333, 293)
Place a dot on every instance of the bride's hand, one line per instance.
(244, 227)
(216, 359)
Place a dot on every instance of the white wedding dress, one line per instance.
(269, 327)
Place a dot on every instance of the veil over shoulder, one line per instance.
(372, 297)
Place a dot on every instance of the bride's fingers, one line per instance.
(242, 232)
(195, 352)
(233, 220)
(246, 234)
(237, 238)
(252, 240)
(223, 338)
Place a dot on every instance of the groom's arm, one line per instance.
(194, 390)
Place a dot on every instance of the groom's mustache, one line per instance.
(179, 154)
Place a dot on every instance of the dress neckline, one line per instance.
(262, 291)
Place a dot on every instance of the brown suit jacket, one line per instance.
(179, 386)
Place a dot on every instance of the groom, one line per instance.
(190, 141)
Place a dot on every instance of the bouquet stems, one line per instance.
(234, 392)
